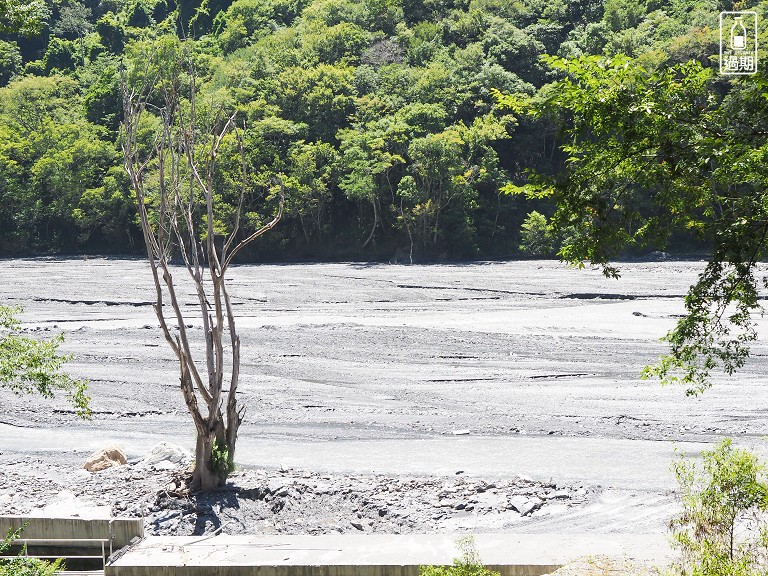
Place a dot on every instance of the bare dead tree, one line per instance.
(173, 178)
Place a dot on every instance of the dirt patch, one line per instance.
(607, 566)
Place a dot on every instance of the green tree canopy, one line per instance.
(371, 84)
(24, 17)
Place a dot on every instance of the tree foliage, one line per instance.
(653, 150)
(25, 17)
(537, 237)
(31, 366)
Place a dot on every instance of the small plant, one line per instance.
(220, 459)
(21, 565)
(723, 527)
(468, 565)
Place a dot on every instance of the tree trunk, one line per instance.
(375, 223)
(205, 477)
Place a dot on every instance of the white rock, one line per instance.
(525, 505)
(518, 502)
(460, 432)
(65, 495)
(166, 456)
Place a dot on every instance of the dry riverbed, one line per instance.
(397, 356)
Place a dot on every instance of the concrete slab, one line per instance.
(370, 555)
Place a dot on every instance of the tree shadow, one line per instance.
(207, 520)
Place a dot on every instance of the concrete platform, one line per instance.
(370, 555)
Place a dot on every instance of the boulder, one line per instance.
(524, 505)
(105, 458)
(276, 485)
(658, 256)
(166, 456)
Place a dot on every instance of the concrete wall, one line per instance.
(119, 530)
(367, 570)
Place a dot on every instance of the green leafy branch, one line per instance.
(30, 366)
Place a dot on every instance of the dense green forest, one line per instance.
(385, 118)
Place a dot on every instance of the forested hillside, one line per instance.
(379, 115)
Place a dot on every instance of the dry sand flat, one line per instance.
(371, 368)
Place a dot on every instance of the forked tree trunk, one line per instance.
(205, 476)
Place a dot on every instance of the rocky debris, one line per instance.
(658, 256)
(559, 494)
(166, 456)
(105, 458)
(301, 502)
(290, 501)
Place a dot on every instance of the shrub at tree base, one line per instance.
(723, 527)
